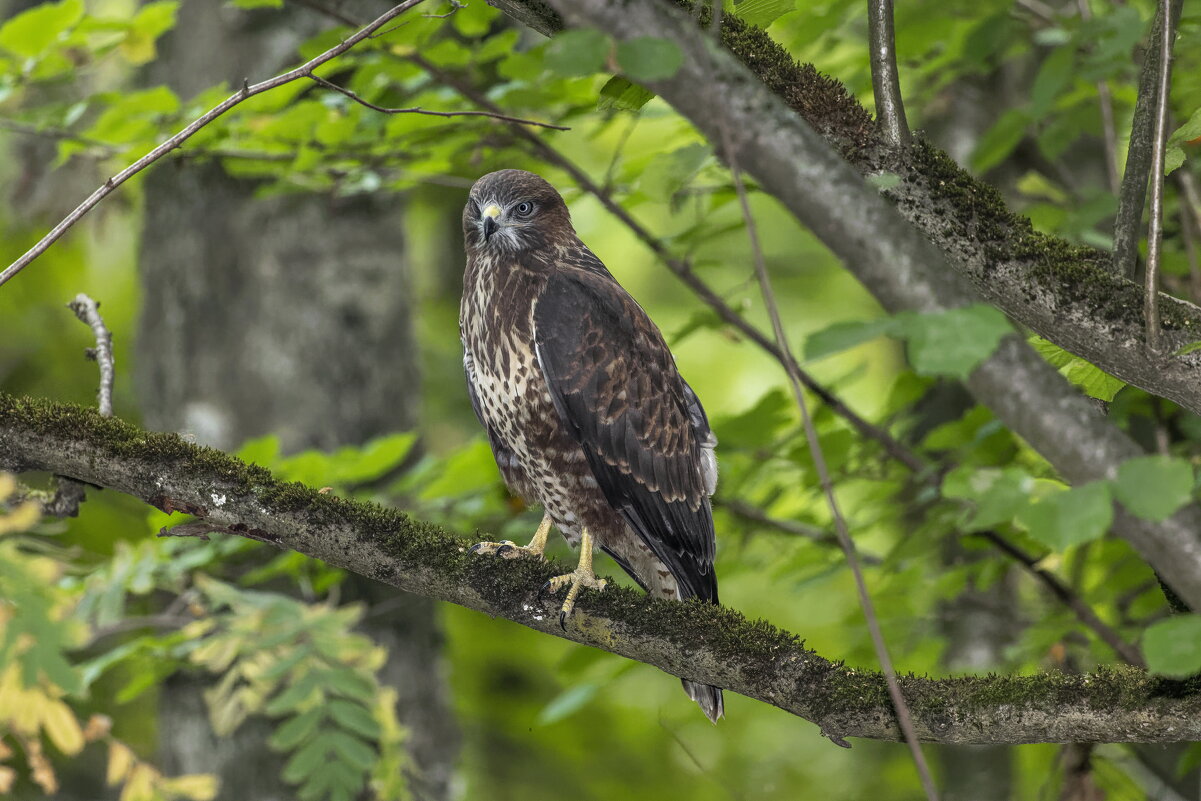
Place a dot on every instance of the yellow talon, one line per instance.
(582, 576)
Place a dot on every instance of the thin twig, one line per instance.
(1127, 652)
(418, 110)
(88, 312)
(68, 493)
(1109, 136)
(886, 82)
(904, 718)
(58, 134)
(1190, 229)
(1127, 227)
(1155, 229)
(247, 91)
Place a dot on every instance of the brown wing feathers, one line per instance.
(615, 385)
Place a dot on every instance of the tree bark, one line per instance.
(700, 642)
(291, 316)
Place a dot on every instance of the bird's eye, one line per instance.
(523, 208)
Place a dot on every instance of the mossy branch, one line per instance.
(1065, 292)
(709, 644)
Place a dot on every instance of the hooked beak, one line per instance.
(490, 223)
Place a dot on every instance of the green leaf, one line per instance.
(567, 703)
(1071, 517)
(954, 342)
(622, 94)
(347, 682)
(152, 21)
(1188, 133)
(845, 335)
(310, 758)
(31, 32)
(649, 58)
(1173, 646)
(354, 717)
(581, 51)
(997, 494)
(296, 729)
(1000, 140)
(1092, 380)
(757, 426)
(664, 176)
(762, 13)
(1053, 77)
(1154, 487)
(352, 749)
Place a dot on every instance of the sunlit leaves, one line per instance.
(1173, 646)
(1187, 134)
(32, 32)
(1154, 487)
(648, 58)
(152, 20)
(762, 13)
(622, 94)
(1091, 379)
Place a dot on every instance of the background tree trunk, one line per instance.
(290, 316)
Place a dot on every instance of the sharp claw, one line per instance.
(504, 550)
(543, 590)
(563, 621)
(475, 548)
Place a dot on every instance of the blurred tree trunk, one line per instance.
(291, 316)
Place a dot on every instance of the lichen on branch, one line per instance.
(714, 645)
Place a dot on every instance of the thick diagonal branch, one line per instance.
(704, 643)
(1064, 292)
(898, 264)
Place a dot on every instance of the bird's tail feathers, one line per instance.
(707, 697)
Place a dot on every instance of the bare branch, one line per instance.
(178, 139)
(418, 110)
(88, 312)
(1127, 652)
(1159, 145)
(886, 82)
(1109, 137)
(1127, 227)
(703, 642)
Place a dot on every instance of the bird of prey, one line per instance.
(584, 408)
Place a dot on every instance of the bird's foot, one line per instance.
(580, 577)
(505, 550)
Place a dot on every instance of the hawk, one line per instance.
(584, 408)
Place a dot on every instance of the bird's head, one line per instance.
(511, 211)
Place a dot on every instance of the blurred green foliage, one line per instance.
(82, 602)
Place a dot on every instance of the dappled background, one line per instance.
(286, 287)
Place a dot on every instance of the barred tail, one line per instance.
(707, 697)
